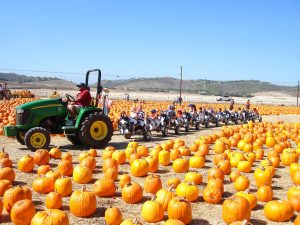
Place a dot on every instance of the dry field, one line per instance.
(269, 98)
(203, 213)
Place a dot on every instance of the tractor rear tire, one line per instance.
(96, 130)
(74, 139)
(37, 138)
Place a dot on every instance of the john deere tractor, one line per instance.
(37, 120)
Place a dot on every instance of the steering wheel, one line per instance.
(70, 98)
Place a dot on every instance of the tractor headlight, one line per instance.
(20, 111)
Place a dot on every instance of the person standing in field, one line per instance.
(248, 104)
(231, 107)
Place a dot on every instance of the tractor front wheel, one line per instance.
(37, 138)
(20, 137)
(96, 130)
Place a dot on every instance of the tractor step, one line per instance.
(69, 130)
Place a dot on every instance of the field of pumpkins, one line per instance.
(245, 174)
(8, 115)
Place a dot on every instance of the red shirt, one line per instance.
(83, 98)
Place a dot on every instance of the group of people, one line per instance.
(138, 113)
(84, 99)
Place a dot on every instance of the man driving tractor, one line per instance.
(83, 99)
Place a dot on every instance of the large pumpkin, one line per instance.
(50, 216)
(264, 193)
(219, 146)
(188, 190)
(152, 184)
(83, 203)
(252, 199)
(197, 162)
(26, 164)
(119, 156)
(12, 195)
(181, 165)
(152, 211)
(104, 187)
(43, 185)
(139, 168)
(4, 185)
(194, 177)
(22, 212)
(63, 186)
(7, 173)
(41, 157)
(89, 162)
(164, 196)
(109, 163)
(124, 179)
(212, 195)
(236, 208)
(262, 176)
(279, 211)
(132, 193)
(65, 168)
(241, 183)
(153, 163)
(53, 200)
(55, 153)
(82, 174)
(164, 157)
(180, 209)
(113, 216)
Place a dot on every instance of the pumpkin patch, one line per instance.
(239, 173)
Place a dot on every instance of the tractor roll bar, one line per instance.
(99, 87)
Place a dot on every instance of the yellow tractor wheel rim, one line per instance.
(98, 130)
(38, 140)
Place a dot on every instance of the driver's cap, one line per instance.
(81, 85)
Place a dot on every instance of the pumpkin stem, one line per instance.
(152, 197)
(181, 198)
(247, 191)
(171, 187)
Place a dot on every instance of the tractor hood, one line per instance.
(41, 103)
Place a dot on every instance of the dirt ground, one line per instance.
(203, 213)
(265, 98)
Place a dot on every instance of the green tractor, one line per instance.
(37, 120)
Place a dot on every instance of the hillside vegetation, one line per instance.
(12, 77)
(237, 88)
(209, 87)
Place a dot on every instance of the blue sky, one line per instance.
(212, 39)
